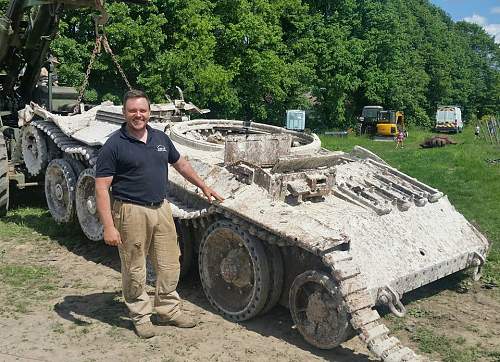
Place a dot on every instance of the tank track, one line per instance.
(184, 212)
(68, 145)
(364, 319)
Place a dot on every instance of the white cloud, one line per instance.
(476, 19)
(492, 29)
(495, 10)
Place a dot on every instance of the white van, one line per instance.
(449, 119)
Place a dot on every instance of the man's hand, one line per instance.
(209, 193)
(112, 236)
(186, 170)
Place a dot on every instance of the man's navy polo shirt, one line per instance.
(139, 170)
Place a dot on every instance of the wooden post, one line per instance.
(494, 122)
(490, 131)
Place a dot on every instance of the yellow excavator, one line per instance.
(376, 121)
(389, 122)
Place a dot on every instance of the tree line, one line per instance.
(253, 59)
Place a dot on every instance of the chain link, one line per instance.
(97, 50)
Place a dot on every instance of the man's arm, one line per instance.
(186, 170)
(103, 203)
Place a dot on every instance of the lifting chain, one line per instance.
(97, 50)
(108, 50)
(101, 40)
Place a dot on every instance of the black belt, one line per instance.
(140, 203)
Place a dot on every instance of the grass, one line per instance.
(451, 349)
(460, 171)
(24, 285)
(29, 218)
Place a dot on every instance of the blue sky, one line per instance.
(483, 12)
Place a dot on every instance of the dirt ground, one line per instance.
(69, 308)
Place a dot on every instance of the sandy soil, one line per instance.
(82, 317)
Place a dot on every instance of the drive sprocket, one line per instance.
(60, 185)
(34, 149)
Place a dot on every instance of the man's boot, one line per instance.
(181, 321)
(145, 330)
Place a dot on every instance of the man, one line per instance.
(134, 161)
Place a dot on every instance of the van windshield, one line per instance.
(370, 112)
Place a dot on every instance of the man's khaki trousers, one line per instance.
(147, 231)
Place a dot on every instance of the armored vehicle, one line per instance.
(302, 226)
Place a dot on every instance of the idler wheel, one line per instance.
(234, 271)
(86, 206)
(34, 149)
(318, 310)
(4, 178)
(60, 185)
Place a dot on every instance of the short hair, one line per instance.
(135, 93)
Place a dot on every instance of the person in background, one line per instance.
(400, 137)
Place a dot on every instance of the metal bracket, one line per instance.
(390, 297)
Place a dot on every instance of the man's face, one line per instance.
(136, 112)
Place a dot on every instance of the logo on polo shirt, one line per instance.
(161, 148)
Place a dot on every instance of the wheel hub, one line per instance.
(235, 268)
(91, 207)
(59, 193)
(317, 309)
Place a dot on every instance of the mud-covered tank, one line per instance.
(328, 234)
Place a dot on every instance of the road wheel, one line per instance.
(60, 185)
(318, 310)
(86, 209)
(4, 178)
(234, 271)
